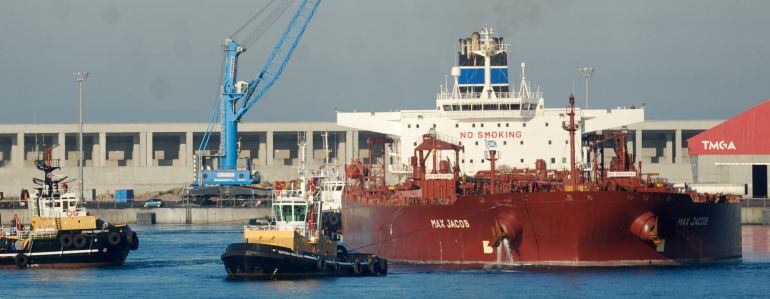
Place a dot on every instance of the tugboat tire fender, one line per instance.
(66, 240)
(21, 260)
(113, 238)
(383, 265)
(372, 265)
(357, 267)
(334, 219)
(320, 264)
(133, 241)
(80, 241)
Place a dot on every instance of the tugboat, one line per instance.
(297, 244)
(62, 234)
(330, 184)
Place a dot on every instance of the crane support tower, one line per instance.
(215, 171)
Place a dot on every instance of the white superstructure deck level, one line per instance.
(483, 110)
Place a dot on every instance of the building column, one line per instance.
(94, 151)
(136, 148)
(262, 154)
(356, 147)
(189, 153)
(341, 155)
(61, 150)
(149, 152)
(310, 151)
(102, 149)
(269, 150)
(638, 147)
(17, 151)
(669, 150)
(141, 158)
(348, 146)
(678, 146)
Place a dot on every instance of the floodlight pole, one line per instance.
(586, 72)
(81, 78)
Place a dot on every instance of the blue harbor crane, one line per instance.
(223, 167)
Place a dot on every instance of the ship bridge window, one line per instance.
(299, 212)
(277, 212)
(466, 107)
(490, 106)
(455, 107)
(57, 204)
(286, 213)
(447, 107)
(72, 203)
(476, 107)
(338, 188)
(515, 107)
(505, 106)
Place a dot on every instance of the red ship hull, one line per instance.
(553, 228)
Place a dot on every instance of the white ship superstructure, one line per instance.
(484, 111)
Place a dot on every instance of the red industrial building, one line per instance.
(736, 151)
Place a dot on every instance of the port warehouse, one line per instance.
(159, 156)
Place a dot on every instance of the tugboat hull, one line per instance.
(261, 261)
(92, 248)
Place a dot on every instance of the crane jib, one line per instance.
(232, 92)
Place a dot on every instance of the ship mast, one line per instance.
(489, 47)
(571, 128)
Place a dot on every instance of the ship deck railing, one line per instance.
(27, 234)
(289, 193)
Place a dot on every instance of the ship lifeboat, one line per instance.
(645, 227)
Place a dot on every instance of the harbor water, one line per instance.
(177, 261)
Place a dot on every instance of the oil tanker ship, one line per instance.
(606, 212)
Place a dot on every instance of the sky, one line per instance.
(159, 61)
